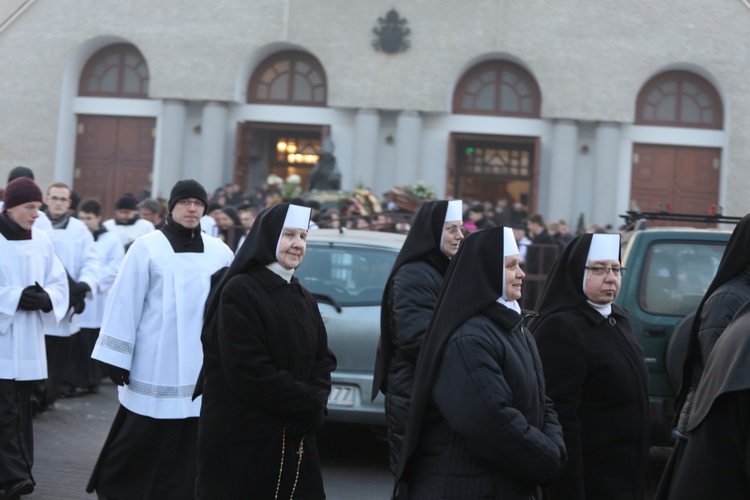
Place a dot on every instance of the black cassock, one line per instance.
(266, 367)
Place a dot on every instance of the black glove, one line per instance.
(77, 295)
(34, 298)
(301, 427)
(120, 376)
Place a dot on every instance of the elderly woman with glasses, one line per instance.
(409, 299)
(594, 373)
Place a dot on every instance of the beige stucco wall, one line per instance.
(590, 58)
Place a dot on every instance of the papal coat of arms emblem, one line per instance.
(391, 33)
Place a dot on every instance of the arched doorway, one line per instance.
(114, 154)
(487, 167)
(292, 78)
(680, 179)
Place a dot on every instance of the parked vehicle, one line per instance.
(346, 271)
(668, 272)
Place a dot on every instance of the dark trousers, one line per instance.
(82, 371)
(16, 435)
(58, 355)
(148, 459)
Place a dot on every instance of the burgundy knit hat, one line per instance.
(19, 191)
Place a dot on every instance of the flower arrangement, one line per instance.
(421, 191)
(291, 187)
(408, 198)
(361, 202)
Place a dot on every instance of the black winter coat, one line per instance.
(715, 316)
(412, 300)
(598, 380)
(266, 367)
(489, 431)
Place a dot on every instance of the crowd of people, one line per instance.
(191, 307)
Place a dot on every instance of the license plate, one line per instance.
(341, 395)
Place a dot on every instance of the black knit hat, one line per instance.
(126, 202)
(20, 172)
(187, 188)
(19, 191)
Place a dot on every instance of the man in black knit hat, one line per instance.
(127, 224)
(33, 296)
(42, 222)
(150, 344)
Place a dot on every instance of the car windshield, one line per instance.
(349, 275)
(677, 276)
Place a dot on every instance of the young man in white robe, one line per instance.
(74, 246)
(33, 297)
(84, 372)
(42, 222)
(150, 343)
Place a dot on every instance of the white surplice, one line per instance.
(152, 323)
(23, 263)
(128, 233)
(110, 252)
(74, 246)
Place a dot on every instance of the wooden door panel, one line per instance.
(97, 137)
(135, 137)
(114, 155)
(683, 178)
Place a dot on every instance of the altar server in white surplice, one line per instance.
(74, 246)
(84, 372)
(150, 343)
(42, 222)
(33, 297)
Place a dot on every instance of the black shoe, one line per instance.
(15, 490)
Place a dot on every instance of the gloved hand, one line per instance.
(34, 298)
(301, 427)
(77, 295)
(120, 376)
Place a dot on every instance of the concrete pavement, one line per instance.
(67, 442)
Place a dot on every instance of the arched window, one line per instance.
(290, 77)
(679, 99)
(500, 88)
(115, 71)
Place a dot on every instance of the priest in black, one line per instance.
(595, 373)
(715, 461)
(480, 425)
(266, 371)
(409, 300)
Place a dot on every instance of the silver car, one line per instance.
(346, 272)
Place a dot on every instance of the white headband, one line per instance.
(297, 217)
(604, 247)
(454, 211)
(510, 247)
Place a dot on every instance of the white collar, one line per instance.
(603, 309)
(510, 304)
(281, 271)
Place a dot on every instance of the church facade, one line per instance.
(568, 109)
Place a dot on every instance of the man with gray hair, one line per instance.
(152, 211)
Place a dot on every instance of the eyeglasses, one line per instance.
(455, 230)
(57, 198)
(603, 271)
(187, 203)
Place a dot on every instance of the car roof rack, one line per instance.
(634, 217)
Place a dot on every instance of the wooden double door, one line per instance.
(114, 155)
(675, 178)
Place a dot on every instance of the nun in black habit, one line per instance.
(480, 425)
(595, 373)
(409, 299)
(266, 371)
(715, 461)
(727, 293)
